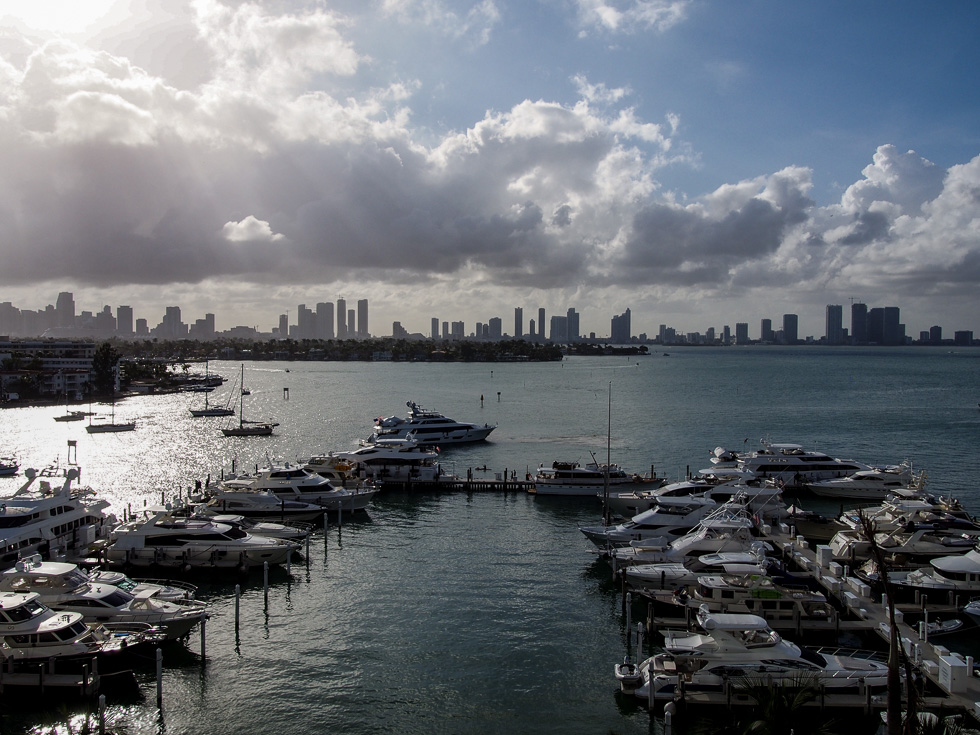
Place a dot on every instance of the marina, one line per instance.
(495, 583)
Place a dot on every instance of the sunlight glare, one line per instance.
(58, 16)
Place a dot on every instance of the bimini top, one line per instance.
(730, 621)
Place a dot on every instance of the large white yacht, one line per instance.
(31, 632)
(258, 504)
(571, 478)
(673, 575)
(429, 428)
(786, 463)
(386, 460)
(739, 645)
(53, 521)
(669, 519)
(292, 482)
(161, 539)
(874, 484)
(67, 588)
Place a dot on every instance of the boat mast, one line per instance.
(605, 475)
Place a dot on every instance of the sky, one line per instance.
(700, 162)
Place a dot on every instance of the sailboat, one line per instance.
(248, 428)
(211, 411)
(104, 427)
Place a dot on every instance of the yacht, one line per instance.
(571, 478)
(874, 484)
(247, 428)
(67, 588)
(734, 646)
(387, 461)
(163, 589)
(53, 521)
(724, 530)
(292, 482)
(670, 518)
(673, 575)
(914, 542)
(789, 464)
(258, 505)
(292, 530)
(32, 633)
(780, 600)
(948, 574)
(8, 466)
(627, 503)
(428, 428)
(161, 539)
(206, 388)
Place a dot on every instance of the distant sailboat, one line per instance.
(104, 427)
(207, 410)
(248, 428)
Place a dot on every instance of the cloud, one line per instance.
(629, 16)
(249, 229)
(476, 23)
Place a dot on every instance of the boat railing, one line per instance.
(864, 654)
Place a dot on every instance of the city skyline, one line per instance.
(685, 159)
(874, 324)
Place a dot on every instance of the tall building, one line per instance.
(495, 328)
(351, 330)
(859, 323)
(765, 331)
(876, 326)
(434, 328)
(936, 335)
(65, 310)
(124, 321)
(835, 324)
(324, 320)
(893, 332)
(741, 333)
(541, 325)
(518, 322)
(283, 326)
(362, 318)
(621, 329)
(572, 331)
(791, 329)
(341, 319)
(559, 329)
(304, 322)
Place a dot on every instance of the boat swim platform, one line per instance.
(947, 671)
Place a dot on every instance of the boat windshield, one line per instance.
(813, 657)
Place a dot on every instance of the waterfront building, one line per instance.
(572, 326)
(530, 329)
(495, 328)
(791, 329)
(445, 330)
(559, 329)
(741, 333)
(124, 321)
(621, 329)
(541, 325)
(963, 338)
(351, 327)
(65, 310)
(341, 319)
(434, 328)
(835, 324)
(458, 330)
(304, 322)
(893, 330)
(936, 335)
(766, 334)
(362, 319)
(859, 323)
(324, 320)
(283, 326)
(519, 323)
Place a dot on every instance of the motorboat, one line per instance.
(51, 515)
(673, 575)
(874, 484)
(429, 428)
(292, 530)
(386, 461)
(247, 428)
(163, 589)
(780, 600)
(33, 633)
(789, 464)
(914, 542)
(8, 466)
(948, 574)
(669, 519)
(627, 503)
(726, 529)
(292, 482)
(162, 539)
(258, 505)
(735, 646)
(67, 588)
(72, 416)
(590, 480)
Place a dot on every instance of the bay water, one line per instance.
(473, 612)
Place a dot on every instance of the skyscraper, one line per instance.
(341, 319)
(324, 320)
(351, 328)
(765, 333)
(741, 333)
(835, 324)
(892, 331)
(65, 310)
(283, 326)
(362, 318)
(541, 325)
(621, 330)
(859, 323)
(791, 329)
(572, 333)
(518, 322)
(124, 320)
(434, 328)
